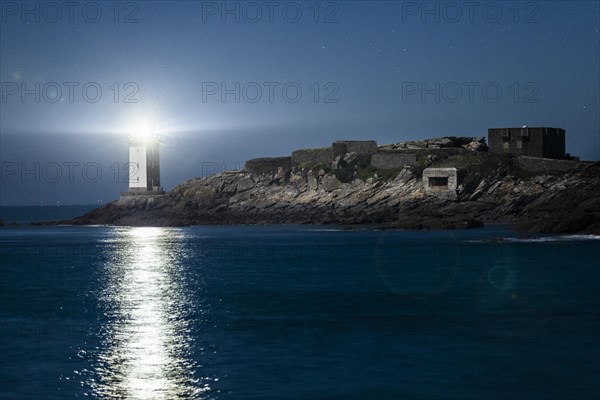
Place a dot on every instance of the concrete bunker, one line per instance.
(441, 182)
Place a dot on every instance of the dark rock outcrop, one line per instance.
(470, 143)
(493, 188)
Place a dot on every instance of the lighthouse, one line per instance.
(144, 164)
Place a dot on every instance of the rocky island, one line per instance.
(442, 183)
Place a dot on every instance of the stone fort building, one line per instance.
(535, 149)
(533, 142)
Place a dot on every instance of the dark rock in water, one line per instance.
(430, 223)
(574, 222)
(470, 224)
(45, 223)
(1, 223)
(492, 188)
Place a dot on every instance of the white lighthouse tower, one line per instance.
(144, 163)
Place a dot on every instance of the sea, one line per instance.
(295, 312)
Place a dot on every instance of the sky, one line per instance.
(224, 82)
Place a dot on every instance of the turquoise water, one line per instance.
(297, 312)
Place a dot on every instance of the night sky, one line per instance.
(223, 82)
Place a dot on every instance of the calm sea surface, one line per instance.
(27, 214)
(297, 312)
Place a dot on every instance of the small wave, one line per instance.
(560, 238)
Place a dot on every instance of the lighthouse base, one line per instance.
(154, 190)
(139, 198)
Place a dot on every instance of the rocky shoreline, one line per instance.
(494, 188)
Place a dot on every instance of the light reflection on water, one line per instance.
(144, 352)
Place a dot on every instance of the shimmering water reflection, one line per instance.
(297, 312)
(144, 352)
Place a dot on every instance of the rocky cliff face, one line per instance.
(493, 188)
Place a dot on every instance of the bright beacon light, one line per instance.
(144, 130)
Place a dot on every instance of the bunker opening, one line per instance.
(438, 182)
